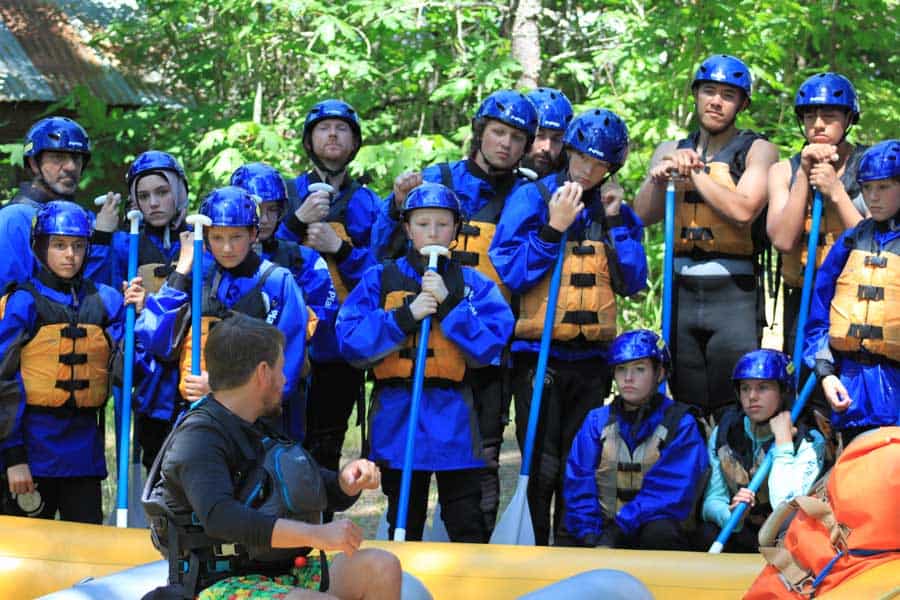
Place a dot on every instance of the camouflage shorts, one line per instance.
(307, 577)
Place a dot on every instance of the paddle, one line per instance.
(668, 261)
(199, 222)
(432, 252)
(127, 377)
(761, 473)
(808, 278)
(515, 526)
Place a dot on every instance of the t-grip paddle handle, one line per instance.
(135, 216)
(100, 200)
(321, 187)
(433, 252)
(198, 222)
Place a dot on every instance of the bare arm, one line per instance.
(650, 202)
(787, 206)
(744, 204)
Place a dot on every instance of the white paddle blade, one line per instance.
(438, 531)
(381, 533)
(515, 527)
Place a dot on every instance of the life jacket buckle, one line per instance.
(583, 279)
(583, 250)
(870, 292)
(876, 261)
(468, 259)
(863, 331)
(470, 230)
(697, 234)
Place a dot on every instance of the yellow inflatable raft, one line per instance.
(38, 557)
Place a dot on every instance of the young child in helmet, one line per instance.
(236, 279)
(157, 186)
(377, 327)
(58, 333)
(633, 472)
(764, 385)
(603, 257)
(853, 328)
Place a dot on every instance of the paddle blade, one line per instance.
(438, 531)
(381, 533)
(515, 527)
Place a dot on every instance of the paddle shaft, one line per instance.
(537, 390)
(418, 383)
(668, 262)
(197, 301)
(809, 273)
(761, 473)
(127, 378)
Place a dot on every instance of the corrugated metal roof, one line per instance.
(44, 53)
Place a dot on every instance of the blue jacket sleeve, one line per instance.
(385, 229)
(481, 322)
(671, 485)
(291, 321)
(367, 332)
(362, 212)
(157, 326)
(16, 328)
(108, 262)
(627, 239)
(583, 516)
(15, 244)
(819, 320)
(318, 290)
(716, 498)
(519, 253)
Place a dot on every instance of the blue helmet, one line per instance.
(638, 344)
(722, 68)
(262, 181)
(554, 109)
(600, 134)
(827, 89)
(62, 217)
(765, 364)
(60, 134)
(512, 108)
(331, 109)
(230, 207)
(881, 161)
(154, 160)
(432, 195)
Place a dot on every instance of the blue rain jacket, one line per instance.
(53, 444)
(479, 323)
(670, 486)
(523, 257)
(157, 325)
(874, 388)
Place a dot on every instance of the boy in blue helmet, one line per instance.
(338, 226)
(853, 329)
(236, 279)
(764, 386)
(503, 130)
(57, 149)
(51, 400)
(826, 107)
(377, 328)
(554, 115)
(603, 257)
(718, 304)
(633, 473)
(157, 186)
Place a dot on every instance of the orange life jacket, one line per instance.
(865, 310)
(851, 527)
(830, 227)
(153, 267)
(446, 362)
(66, 363)
(252, 304)
(699, 228)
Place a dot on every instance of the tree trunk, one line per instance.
(526, 43)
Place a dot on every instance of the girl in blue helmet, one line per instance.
(157, 186)
(633, 473)
(604, 257)
(764, 385)
(503, 129)
(58, 334)
(236, 279)
(827, 108)
(853, 330)
(377, 327)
